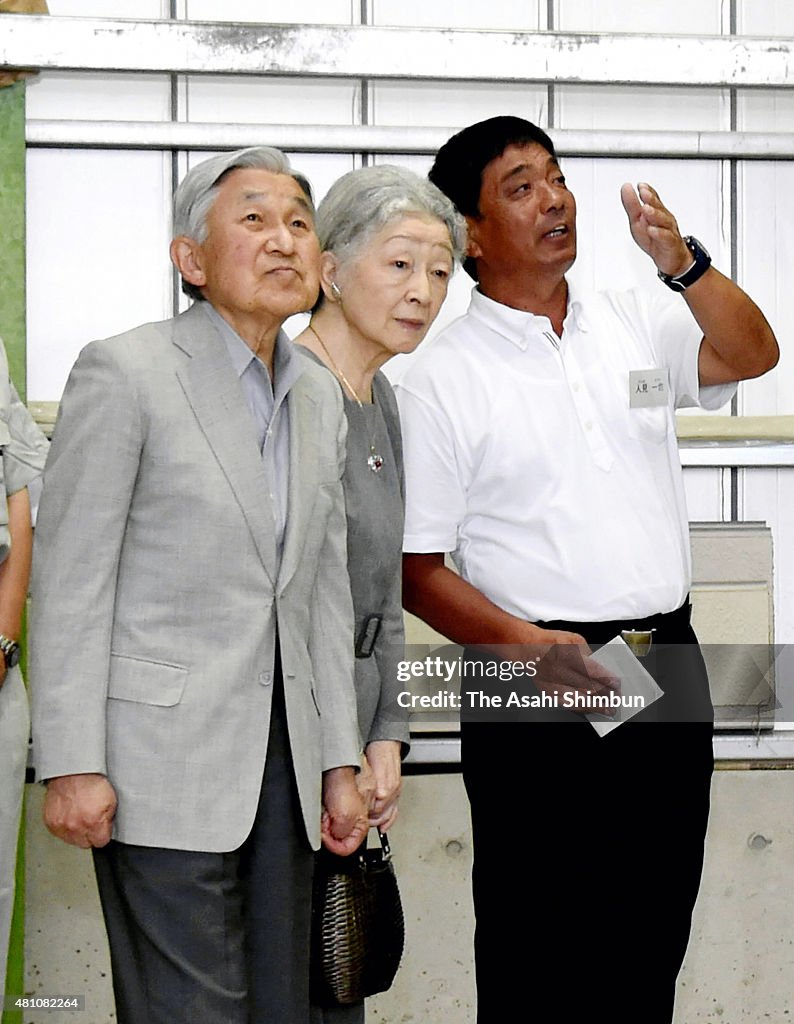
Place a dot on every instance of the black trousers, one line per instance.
(588, 851)
(220, 938)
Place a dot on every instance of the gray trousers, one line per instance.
(14, 732)
(221, 938)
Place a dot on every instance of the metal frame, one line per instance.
(403, 139)
(371, 52)
(764, 750)
(740, 454)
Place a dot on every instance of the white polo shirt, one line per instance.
(525, 459)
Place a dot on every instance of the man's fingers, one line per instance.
(74, 837)
(384, 820)
(648, 195)
(100, 835)
(571, 671)
(347, 844)
(630, 200)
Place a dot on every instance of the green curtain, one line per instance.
(12, 330)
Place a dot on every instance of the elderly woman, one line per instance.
(390, 241)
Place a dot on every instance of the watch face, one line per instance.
(693, 245)
(11, 652)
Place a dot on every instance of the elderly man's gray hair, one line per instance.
(363, 201)
(199, 188)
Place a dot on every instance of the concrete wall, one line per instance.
(740, 965)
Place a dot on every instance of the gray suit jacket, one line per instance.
(156, 592)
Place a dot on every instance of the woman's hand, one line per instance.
(383, 758)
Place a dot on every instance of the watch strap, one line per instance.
(701, 263)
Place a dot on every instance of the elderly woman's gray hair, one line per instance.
(363, 201)
(199, 188)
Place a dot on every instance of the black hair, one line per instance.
(459, 164)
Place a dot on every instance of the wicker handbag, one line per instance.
(358, 930)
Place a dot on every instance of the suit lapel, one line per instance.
(216, 397)
(302, 406)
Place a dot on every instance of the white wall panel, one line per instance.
(762, 110)
(692, 17)
(322, 169)
(766, 248)
(271, 100)
(704, 494)
(97, 254)
(768, 495)
(319, 12)
(642, 109)
(139, 9)
(521, 15)
(454, 105)
(765, 17)
(766, 261)
(99, 97)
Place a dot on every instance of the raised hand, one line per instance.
(655, 229)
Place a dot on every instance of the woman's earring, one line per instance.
(336, 290)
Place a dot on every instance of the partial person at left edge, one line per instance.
(23, 450)
(193, 703)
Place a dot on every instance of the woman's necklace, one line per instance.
(374, 460)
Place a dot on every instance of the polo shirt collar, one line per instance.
(518, 326)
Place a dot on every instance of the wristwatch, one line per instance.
(10, 649)
(695, 272)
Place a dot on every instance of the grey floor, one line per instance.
(740, 965)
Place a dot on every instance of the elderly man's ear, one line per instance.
(186, 257)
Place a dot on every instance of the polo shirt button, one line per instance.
(265, 678)
(575, 385)
(588, 426)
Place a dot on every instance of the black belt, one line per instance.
(669, 627)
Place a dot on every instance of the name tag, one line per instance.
(649, 387)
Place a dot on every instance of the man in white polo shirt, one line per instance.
(541, 453)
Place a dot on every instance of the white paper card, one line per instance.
(638, 688)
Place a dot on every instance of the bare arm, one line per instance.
(738, 343)
(78, 808)
(466, 616)
(15, 570)
(455, 608)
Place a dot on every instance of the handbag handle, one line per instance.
(384, 842)
(385, 854)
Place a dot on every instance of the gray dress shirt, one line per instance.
(267, 402)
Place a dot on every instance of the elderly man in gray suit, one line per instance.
(191, 664)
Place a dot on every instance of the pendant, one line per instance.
(375, 461)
